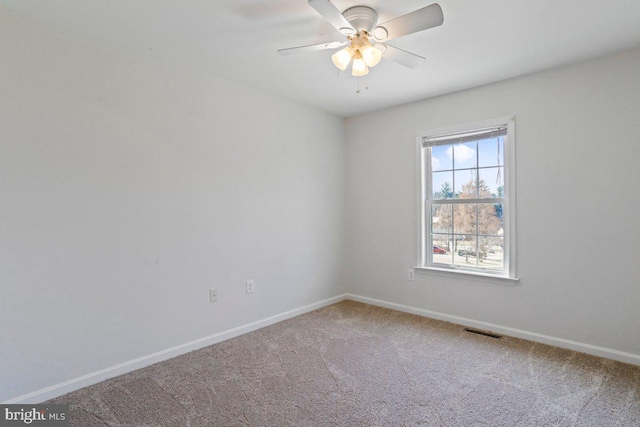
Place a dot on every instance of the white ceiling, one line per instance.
(480, 41)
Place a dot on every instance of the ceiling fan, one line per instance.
(366, 42)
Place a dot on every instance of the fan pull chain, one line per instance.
(366, 86)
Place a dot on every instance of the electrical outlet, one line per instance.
(249, 285)
(213, 295)
(412, 274)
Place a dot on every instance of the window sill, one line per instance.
(469, 275)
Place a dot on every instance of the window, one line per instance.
(467, 200)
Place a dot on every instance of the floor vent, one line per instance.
(485, 333)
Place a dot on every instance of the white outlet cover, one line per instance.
(249, 286)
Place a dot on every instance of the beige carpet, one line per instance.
(351, 364)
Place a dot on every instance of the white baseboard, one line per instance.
(141, 362)
(518, 333)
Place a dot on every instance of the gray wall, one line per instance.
(129, 188)
(578, 210)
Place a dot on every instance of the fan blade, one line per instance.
(311, 48)
(403, 57)
(333, 15)
(418, 20)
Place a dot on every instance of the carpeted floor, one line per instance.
(352, 364)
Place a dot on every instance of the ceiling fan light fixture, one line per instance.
(365, 39)
(359, 68)
(342, 58)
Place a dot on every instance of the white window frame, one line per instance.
(425, 255)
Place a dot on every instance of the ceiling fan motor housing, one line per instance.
(362, 18)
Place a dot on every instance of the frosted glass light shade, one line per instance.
(342, 58)
(371, 55)
(359, 67)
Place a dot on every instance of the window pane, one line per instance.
(441, 218)
(464, 219)
(490, 219)
(442, 187)
(464, 155)
(491, 152)
(491, 183)
(441, 158)
(465, 187)
(442, 244)
(465, 251)
(490, 252)
(463, 179)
